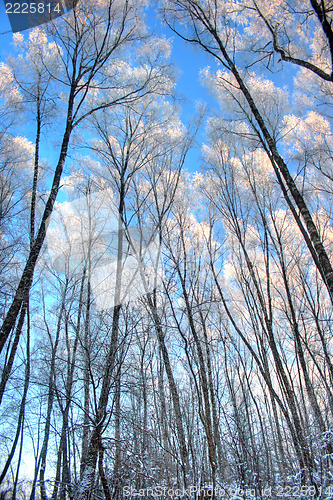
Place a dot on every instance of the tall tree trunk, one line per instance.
(84, 491)
(20, 422)
(9, 365)
(222, 463)
(86, 403)
(117, 458)
(294, 424)
(36, 168)
(209, 24)
(50, 400)
(172, 387)
(207, 417)
(27, 276)
(104, 479)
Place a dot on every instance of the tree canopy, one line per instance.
(166, 282)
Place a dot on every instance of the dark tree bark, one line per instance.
(204, 23)
(172, 386)
(50, 399)
(117, 33)
(20, 421)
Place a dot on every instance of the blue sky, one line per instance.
(189, 62)
(186, 58)
(4, 26)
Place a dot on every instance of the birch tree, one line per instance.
(216, 28)
(89, 45)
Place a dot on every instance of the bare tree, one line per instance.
(86, 44)
(209, 28)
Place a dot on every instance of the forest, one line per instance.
(166, 280)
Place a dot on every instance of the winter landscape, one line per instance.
(166, 242)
